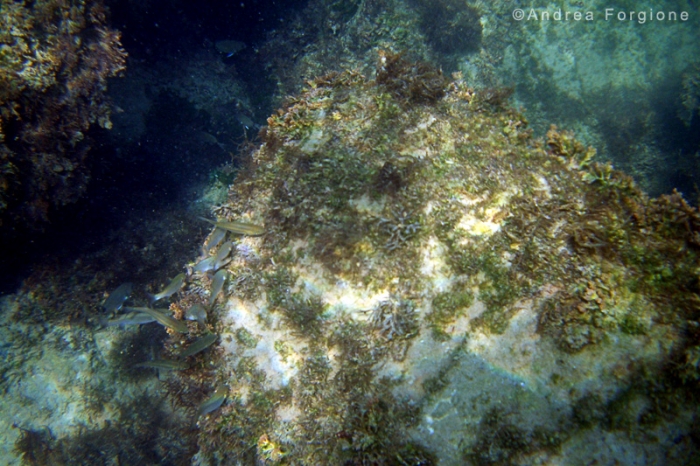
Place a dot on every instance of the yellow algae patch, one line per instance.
(501, 199)
(488, 221)
(364, 247)
(476, 227)
(481, 228)
(544, 186)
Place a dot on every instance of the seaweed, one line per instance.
(34, 446)
(410, 82)
(48, 103)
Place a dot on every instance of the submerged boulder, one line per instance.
(436, 285)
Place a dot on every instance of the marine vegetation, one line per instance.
(55, 59)
(411, 227)
(159, 438)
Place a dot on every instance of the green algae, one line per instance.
(245, 338)
(446, 308)
(391, 210)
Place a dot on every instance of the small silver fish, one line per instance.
(205, 265)
(172, 288)
(217, 284)
(161, 316)
(246, 122)
(214, 238)
(132, 318)
(222, 254)
(208, 138)
(116, 298)
(199, 345)
(164, 364)
(229, 47)
(214, 402)
(198, 313)
(241, 228)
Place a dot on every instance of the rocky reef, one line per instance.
(55, 59)
(434, 284)
(405, 271)
(594, 76)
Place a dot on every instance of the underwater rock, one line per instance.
(56, 59)
(435, 285)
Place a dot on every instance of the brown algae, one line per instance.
(412, 224)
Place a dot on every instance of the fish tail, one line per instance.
(208, 220)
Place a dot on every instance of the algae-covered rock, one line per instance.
(436, 285)
(55, 60)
